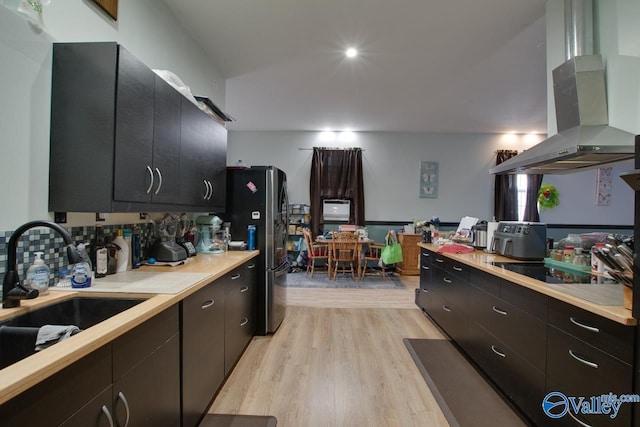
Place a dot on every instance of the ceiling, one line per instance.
(423, 66)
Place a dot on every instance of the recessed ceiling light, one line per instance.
(351, 52)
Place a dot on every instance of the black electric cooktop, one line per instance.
(545, 273)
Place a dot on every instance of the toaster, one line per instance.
(520, 240)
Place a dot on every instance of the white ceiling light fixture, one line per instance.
(346, 136)
(327, 136)
(351, 52)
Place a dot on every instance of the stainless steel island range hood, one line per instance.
(584, 139)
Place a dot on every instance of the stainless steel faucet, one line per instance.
(12, 290)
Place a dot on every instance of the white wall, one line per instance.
(145, 27)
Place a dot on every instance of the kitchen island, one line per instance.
(529, 337)
(160, 308)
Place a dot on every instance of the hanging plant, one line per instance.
(548, 196)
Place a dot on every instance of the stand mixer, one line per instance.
(210, 240)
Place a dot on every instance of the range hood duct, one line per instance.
(584, 139)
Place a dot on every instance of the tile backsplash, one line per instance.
(49, 242)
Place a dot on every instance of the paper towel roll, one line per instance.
(492, 226)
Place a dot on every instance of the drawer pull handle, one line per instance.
(208, 304)
(244, 321)
(445, 308)
(445, 280)
(439, 260)
(235, 277)
(159, 182)
(581, 360)
(498, 352)
(426, 255)
(424, 267)
(499, 311)
(582, 423)
(126, 407)
(582, 325)
(251, 266)
(244, 289)
(457, 268)
(107, 414)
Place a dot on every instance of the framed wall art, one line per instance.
(109, 6)
(428, 180)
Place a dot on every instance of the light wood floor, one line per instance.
(337, 360)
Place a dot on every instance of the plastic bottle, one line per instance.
(81, 273)
(38, 275)
(128, 237)
(251, 238)
(122, 260)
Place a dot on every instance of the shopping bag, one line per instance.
(392, 251)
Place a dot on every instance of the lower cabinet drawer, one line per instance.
(514, 375)
(423, 299)
(524, 334)
(578, 370)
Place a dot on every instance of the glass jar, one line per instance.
(569, 254)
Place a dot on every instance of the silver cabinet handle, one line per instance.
(211, 188)
(582, 325)
(424, 267)
(251, 266)
(439, 260)
(445, 308)
(235, 277)
(151, 176)
(457, 268)
(126, 408)
(499, 311)
(159, 181)
(107, 414)
(208, 304)
(445, 280)
(498, 352)
(206, 189)
(244, 289)
(581, 360)
(426, 255)
(244, 321)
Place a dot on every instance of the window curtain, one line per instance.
(336, 174)
(531, 207)
(505, 206)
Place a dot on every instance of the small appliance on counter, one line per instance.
(479, 235)
(209, 239)
(184, 225)
(520, 240)
(165, 248)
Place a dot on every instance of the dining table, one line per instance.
(361, 243)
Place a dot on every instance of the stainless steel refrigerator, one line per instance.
(258, 196)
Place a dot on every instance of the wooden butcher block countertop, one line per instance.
(196, 273)
(581, 295)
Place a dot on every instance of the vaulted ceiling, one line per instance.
(423, 66)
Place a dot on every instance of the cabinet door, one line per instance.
(134, 129)
(194, 156)
(96, 413)
(216, 168)
(202, 350)
(60, 396)
(166, 144)
(149, 394)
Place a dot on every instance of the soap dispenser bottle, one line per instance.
(38, 275)
(122, 261)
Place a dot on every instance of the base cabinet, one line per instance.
(410, 254)
(218, 322)
(111, 385)
(529, 344)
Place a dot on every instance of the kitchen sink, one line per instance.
(18, 334)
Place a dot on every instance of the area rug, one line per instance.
(321, 280)
(463, 394)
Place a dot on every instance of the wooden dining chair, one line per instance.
(371, 259)
(317, 254)
(344, 253)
